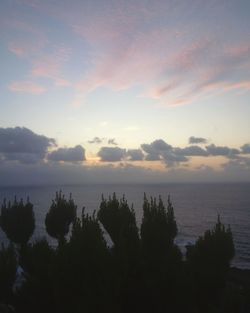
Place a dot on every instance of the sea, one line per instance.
(196, 207)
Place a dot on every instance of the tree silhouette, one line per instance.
(158, 228)
(61, 214)
(36, 292)
(83, 272)
(161, 257)
(209, 261)
(119, 221)
(17, 221)
(143, 273)
(8, 266)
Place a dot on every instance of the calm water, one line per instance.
(196, 207)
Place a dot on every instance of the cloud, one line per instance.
(18, 49)
(160, 150)
(223, 151)
(191, 151)
(111, 154)
(96, 140)
(112, 141)
(27, 86)
(135, 155)
(25, 158)
(171, 159)
(76, 154)
(23, 140)
(50, 66)
(161, 145)
(245, 148)
(58, 174)
(27, 46)
(23, 145)
(154, 149)
(196, 140)
(158, 46)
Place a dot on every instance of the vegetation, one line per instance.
(61, 214)
(17, 221)
(142, 270)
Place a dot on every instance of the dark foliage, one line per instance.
(17, 221)
(158, 228)
(37, 290)
(161, 257)
(141, 272)
(119, 221)
(83, 270)
(61, 214)
(8, 266)
(209, 261)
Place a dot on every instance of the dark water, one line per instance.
(196, 207)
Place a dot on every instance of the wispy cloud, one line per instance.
(27, 86)
(169, 49)
(50, 66)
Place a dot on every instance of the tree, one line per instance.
(36, 292)
(61, 214)
(8, 267)
(158, 228)
(209, 261)
(17, 221)
(119, 221)
(161, 257)
(83, 271)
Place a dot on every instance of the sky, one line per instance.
(124, 91)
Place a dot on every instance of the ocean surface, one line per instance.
(196, 207)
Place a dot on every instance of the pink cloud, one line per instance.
(50, 66)
(26, 86)
(242, 85)
(18, 50)
(26, 47)
(158, 47)
(238, 51)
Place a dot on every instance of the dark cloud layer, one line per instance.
(135, 155)
(223, 151)
(76, 154)
(23, 145)
(246, 148)
(23, 140)
(111, 154)
(160, 150)
(196, 140)
(191, 151)
(24, 154)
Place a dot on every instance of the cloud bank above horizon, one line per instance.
(28, 158)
